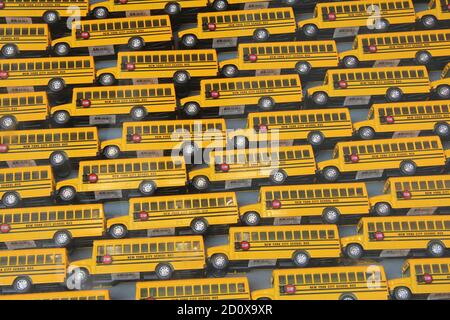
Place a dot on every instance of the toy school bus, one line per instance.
(422, 46)
(303, 57)
(314, 126)
(266, 92)
(137, 102)
(136, 32)
(144, 174)
(376, 15)
(24, 269)
(278, 165)
(62, 224)
(299, 244)
(180, 65)
(230, 288)
(437, 12)
(392, 82)
(19, 38)
(186, 136)
(196, 211)
(49, 10)
(327, 283)
(17, 184)
(406, 154)
(60, 295)
(160, 255)
(387, 118)
(430, 233)
(21, 108)
(412, 192)
(259, 24)
(421, 277)
(329, 201)
(55, 73)
(441, 87)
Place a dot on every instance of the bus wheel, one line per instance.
(230, 71)
(100, 13)
(220, 5)
(67, 193)
(266, 103)
(320, 98)
(442, 129)
(8, 123)
(301, 259)
(251, 218)
(199, 225)
(354, 251)
(147, 188)
(181, 77)
(200, 183)
(382, 209)
(77, 279)
(310, 30)
(347, 296)
(164, 271)
(350, 62)
(330, 174)
(423, 57)
(435, 249)
(330, 215)
(408, 167)
(111, 152)
(261, 35)
(303, 68)
(118, 231)
(10, 50)
(240, 142)
(428, 22)
(106, 79)
(61, 49)
(138, 113)
(22, 284)
(189, 149)
(58, 158)
(443, 91)
(315, 138)
(402, 293)
(278, 176)
(219, 261)
(61, 117)
(394, 94)
(62, 238)
(136, 43)
(189, 40)
(172, 8)
(191, 109)
(366, 133)
(263, 298)
(56, 85)
(50, 17)
(10, 199)
(290, 2)
(381, 25)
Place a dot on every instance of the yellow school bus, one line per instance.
(421, 277)
(296, 243)
(181, 65)
(430, 233)
(186, 136)
(406, 116)
(330, 201)
(412, 192)
(17, 38)
(18, 108)
(437, 12)
(144, 174)
(21, 183)
(441, 87)
(55, 73)
(314, 126)
(276, 164)
(60, 295)
(301, 56)
(50, 10)
(101, 10)
(22, 269)
(162, 255)
(62, 224)
(136, 32)
(406, 154)
(196, 211)
(330, 283)
(56, 145)
(375, 15)
(259, 24)
(138, 102)
(264, 91)
(422, 46)
(392, 82)
(229, 288)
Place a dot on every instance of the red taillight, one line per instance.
(211, 26)
(276, 204)
(92, 178)
(390, 119)
(406, 194)
(4, 228)
(4, 74)
(3, 148)
(252, 57)
(130, 66)
(2, 5)
(214, 94)
(123, 1)
(448, 6)
(342, 84)
(245, 245)
(354, 158)
(332, 16)
(379, 235)
(150, 298)
(225, 167)
(107, 259)
(136, 138)
(427, 278)
(372, 48)
(85, 103)
(263, 128)
(289, 289)
(143, 215)
(85, 35)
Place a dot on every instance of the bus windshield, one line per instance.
(406, 270)
(371, 114)
(359, 228)
(387, 188)
(336, 152)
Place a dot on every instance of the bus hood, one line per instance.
(217, 249)
(263, 293)
(380, 198)
(399, 282)
(327, 163)
(351, 239)
(85, 263)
